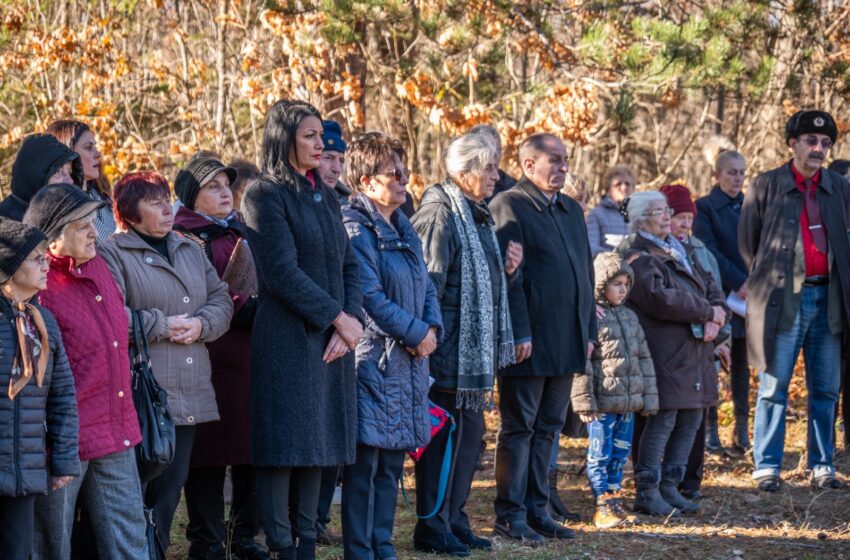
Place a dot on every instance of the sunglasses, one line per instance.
(813, 142)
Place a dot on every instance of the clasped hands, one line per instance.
(347, 333)
(712, 328)
(182, 329)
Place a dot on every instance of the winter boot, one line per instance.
(557, 507)
(287, 553)
(648, 498)
(615, 501)
(306, 549)
(741, 437)
(712, 436)
(670, 494)
(605, 516)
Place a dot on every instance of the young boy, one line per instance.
(619, 381)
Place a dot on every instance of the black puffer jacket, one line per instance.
(24, 444)
(40, 156)
(441, 247)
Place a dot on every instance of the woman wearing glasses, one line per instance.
(681, 310)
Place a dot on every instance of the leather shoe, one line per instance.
(769, 483)
(441, 544)
(550, 529)
(467, 537)
(519, 531)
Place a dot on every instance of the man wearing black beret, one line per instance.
(793, 238)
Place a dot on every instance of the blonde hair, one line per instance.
(724, 157)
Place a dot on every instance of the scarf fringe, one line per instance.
(507, 353)
(475, 400)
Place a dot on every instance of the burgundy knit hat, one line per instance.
(679, 199)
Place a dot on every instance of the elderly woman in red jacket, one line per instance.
(89, 309)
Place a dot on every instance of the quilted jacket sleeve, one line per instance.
(61, 414)
(582, 396)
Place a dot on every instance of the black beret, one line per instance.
(56, 206)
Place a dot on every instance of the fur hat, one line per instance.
(811, 122)
(17, 241)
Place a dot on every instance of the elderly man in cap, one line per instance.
(89, 309)
(793, 238)
(332, 164)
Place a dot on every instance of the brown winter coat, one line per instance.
(770, 243)
(158, 289)
(668, 300)
(620, 376)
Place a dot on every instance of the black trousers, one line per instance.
(465, 451)
(533, 410)
(204, 492)
(740, 375)
(17, 524)
(162, 494)
(369, 498)
(327, 488)
(273, 487)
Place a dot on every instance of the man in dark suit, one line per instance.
(554, 322)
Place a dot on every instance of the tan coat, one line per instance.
(158, 289)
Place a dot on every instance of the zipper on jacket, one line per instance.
(17, 447)
(628, 358)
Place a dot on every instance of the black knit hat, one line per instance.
(195, 175)
(17, 241)
(811, 122)
(56, 206)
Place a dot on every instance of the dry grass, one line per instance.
(737, 521)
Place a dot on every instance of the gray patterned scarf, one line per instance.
(477, 360)
(671, 246)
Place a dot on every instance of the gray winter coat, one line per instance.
(401, 305)
(303, 411)
(603, 221)
(620, 376)
(158, 289)
(38, 429)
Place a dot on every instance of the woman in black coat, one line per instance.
(38, 407)
(309, 316)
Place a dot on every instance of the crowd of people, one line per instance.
(310, 324)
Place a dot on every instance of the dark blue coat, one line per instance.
(400, 304)
(716, 225)
(38, 429)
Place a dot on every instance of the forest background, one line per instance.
(657, 85)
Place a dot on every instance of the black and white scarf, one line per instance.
(477, 359)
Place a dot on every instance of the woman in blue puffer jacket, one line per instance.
(403, 326)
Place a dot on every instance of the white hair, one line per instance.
(470, 153)
(639, 203)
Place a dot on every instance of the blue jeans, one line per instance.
(607, 451)
(110, 488)
(822, 355)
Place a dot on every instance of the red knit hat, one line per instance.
(679, 198)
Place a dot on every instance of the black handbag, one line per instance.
(156, 450)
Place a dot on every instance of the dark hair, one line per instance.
(131, 189)
(840, 166)
(69, 132)
(245, 173)
(366, 155)
(279, 137)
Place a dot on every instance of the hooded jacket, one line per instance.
(620, 376)
(40, 156)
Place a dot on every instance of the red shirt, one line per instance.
(817, 263)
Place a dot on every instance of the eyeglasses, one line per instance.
(397, 174)
(658, 212)
(40, 261)
(813, 142)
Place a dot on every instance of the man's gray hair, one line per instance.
(470, 153)
(638, 205)
(535, 144)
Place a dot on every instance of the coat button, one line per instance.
(317, 197)
(186, 299)
(698, 386)
(148, 260)
(98, 298)
(190, 419)
(121, 394)
(188, 360)
(126, 443)
(115, 343)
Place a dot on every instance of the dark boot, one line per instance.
(306, 549)
(712, 436)
(741, 437)
(249, 549)
(556, 505)
(287, 553)
(670, 493)
(648, 499)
